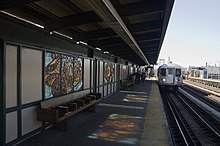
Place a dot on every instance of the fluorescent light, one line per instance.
(22, 19)
(84, 43)
(81, 42)
(106, 52)
(62, 34)
(98, 49)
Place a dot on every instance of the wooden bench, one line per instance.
(125, 84)
(57, 112)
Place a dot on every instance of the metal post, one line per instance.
(2, 89)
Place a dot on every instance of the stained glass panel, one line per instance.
(52, 75)
(78, 72)
(67, 74)
(109, 72)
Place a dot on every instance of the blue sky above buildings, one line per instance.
(193, 33)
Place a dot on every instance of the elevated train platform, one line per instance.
(129, 117)
(61, 51)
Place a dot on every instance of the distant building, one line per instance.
(213, 72)
(205, 72)
(198, 72)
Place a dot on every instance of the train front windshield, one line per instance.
(170, 71)
(163, 72)
(178, 72)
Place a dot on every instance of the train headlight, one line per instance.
(164, 80)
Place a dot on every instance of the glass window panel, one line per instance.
(163, 72)
(178, 72)
(170, 71)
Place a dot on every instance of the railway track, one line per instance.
(206, 88)
(202, 96)
(189, 123)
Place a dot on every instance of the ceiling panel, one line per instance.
(131, 29)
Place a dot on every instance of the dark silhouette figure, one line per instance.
(143, 77)
(138, 77)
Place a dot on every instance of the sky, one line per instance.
(193, 33)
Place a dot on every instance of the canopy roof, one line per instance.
(131, 29)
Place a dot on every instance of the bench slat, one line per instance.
(56, 114)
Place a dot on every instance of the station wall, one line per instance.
(26, 85)
(23, 86)
(25, 53)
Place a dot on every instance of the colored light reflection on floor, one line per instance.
(136, 98)
(120, 128)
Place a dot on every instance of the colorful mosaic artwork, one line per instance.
(109, 72)
(52, 75)
(67, 74)
(120, 128)
(78, 72)
(63, 74)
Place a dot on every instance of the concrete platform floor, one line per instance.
(156, 131)
(134, 117)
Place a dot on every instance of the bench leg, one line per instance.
(91, 109)
(62, 126)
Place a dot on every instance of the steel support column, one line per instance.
(2, 93)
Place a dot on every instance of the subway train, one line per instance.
(170, 76)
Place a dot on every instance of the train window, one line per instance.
(163, 72)
(170, 71)
(178, 72)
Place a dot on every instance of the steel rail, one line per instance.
(178, 124)
(213, 130)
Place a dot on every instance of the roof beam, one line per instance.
(72, 20)
(166, 17)
(107, 12)
(149, 43)
(98, 34)
(146, 27)
(116, 47)
(140, 8)
(7, 4)
(110, 42)
(139, 27)
(72, 6)
(147, 36)
(107, 42)
(131, 42)
(150, 50)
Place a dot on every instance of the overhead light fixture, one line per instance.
(98, 49)
(81, 42)
(22, 19)
(106, 52)
(66, 36)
